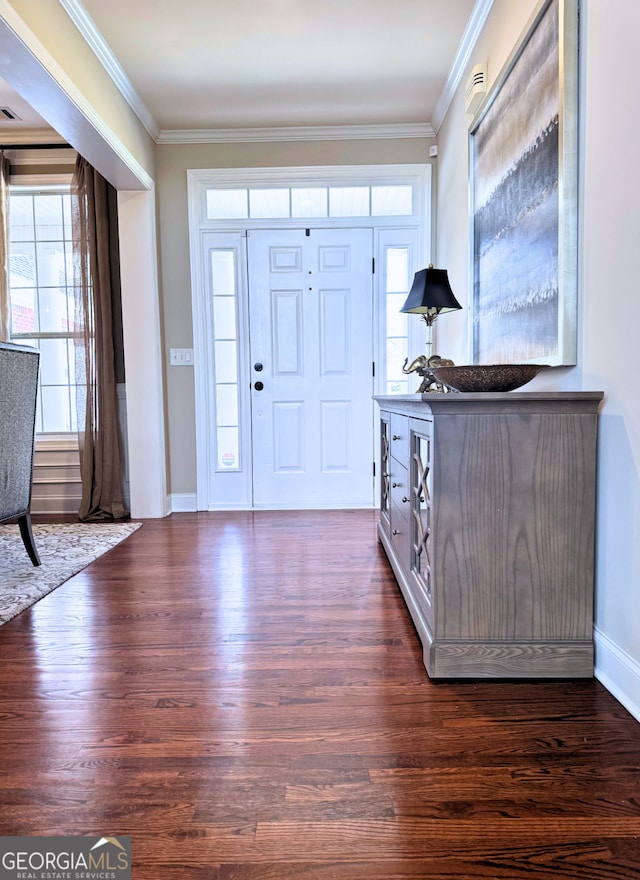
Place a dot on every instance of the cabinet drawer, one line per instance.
(400, 535)
(400, 487)
(399, 426)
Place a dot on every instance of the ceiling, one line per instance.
(208, 64)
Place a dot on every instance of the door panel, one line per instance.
(310, 306)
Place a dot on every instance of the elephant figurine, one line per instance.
(420, 365)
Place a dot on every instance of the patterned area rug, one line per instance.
(64, 550)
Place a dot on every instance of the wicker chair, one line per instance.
(18, 390)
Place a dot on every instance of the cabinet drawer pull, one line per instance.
(405, 499)
(395, 532)
(396, 437)
(395, 485)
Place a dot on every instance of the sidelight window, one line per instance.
(397, 287)
(224, 275)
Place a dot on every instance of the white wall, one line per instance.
(609, 300)
(610, 195)
(146, 455)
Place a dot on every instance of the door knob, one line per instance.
(258, 367)
(258, 386)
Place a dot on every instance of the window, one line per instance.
(396, 277)
(225, 345)
(393, 200)
(42, 300)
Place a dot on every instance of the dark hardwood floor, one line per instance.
(243, 694)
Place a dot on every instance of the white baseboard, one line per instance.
(183, 502)
(188, 503)
(618, 672)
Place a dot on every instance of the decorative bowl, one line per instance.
(493, 377)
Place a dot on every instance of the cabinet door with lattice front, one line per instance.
(422, 515)
(385, 475)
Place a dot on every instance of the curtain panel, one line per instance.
(93, 228)
(5, 305)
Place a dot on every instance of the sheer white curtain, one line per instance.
(5, 306)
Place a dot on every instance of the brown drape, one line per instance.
(98, 428)
(5, 306)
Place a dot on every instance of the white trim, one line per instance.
(472, 31)
(198, 180)
(147, 461)
(101, 49)
(233, 486)
(295, 133)
(322, 175)
(313, 175)
(618, 672)
(81, 112)
(184, 502)
(315, 506)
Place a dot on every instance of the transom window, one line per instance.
(395, 200)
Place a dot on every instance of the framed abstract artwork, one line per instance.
(523, 199)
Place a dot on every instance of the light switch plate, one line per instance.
(181, 357)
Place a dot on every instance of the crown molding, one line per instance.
(295, 133)
(472, 31)
(96, 42)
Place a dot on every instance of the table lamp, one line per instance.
(430, 296)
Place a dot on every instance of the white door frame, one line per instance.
(202, 228)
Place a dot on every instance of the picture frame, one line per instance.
(523, 184)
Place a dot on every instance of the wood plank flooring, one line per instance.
(243, 694)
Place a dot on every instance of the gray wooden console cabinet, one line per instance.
(487, 516)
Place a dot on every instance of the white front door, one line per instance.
(311, 314)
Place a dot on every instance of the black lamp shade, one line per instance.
(431, 294)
